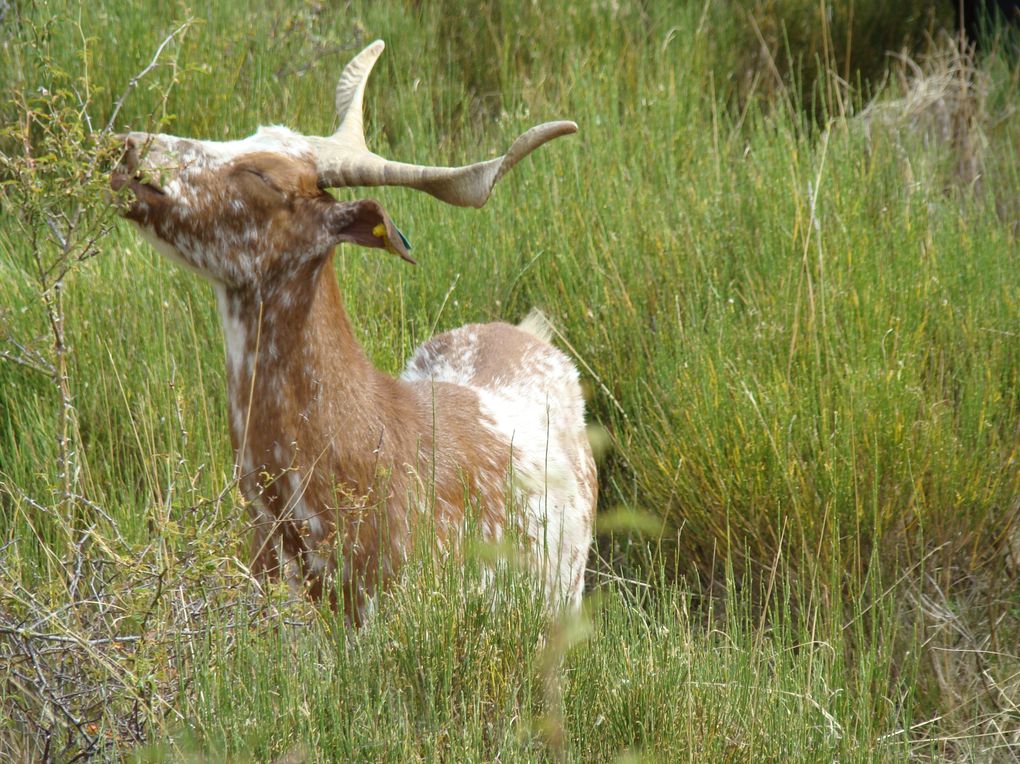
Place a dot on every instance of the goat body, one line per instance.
(341, 463)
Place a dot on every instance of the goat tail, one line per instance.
(537, 324)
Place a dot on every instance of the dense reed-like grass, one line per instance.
(798, 319)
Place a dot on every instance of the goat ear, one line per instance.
(365, 222)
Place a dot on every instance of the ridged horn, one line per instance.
(343, 159)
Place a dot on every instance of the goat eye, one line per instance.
(266, 180)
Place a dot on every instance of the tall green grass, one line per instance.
(799, 328)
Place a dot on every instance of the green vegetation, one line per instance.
(797, 309)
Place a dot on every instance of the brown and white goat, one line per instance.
(341, 462)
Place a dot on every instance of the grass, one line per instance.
(798, 318)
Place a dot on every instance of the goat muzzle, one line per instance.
(128, 170)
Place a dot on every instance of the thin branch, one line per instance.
(133, 83)
(37, 364)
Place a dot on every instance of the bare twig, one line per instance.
(133, 82)
(28, 359)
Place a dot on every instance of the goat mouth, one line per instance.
(142, 189)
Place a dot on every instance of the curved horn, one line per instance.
(350, 92)
(343, 159)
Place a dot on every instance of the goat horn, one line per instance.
(343, 159)
(350, 92)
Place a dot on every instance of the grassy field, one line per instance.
(785, 258)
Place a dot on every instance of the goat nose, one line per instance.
(131, 145)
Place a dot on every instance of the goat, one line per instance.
(340, 462)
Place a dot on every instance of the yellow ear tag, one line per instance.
(379, 232)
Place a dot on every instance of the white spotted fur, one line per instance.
(537, 409)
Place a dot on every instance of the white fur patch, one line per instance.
(170, 153)
(537, 410)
